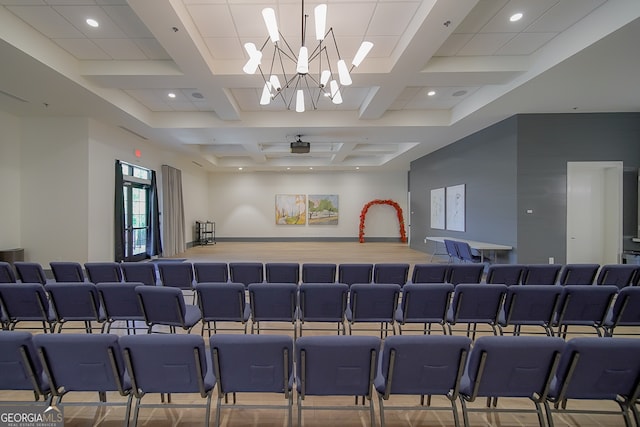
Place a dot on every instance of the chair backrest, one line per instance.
(465, 273)
(144, 272)
(374, 303)
(430, 273)
(425, 302)
(30, 272)
(162, 305)
(620, 275)
(585, 304)
(351, 273)
(477, 302)
(252, 363)
(176, 274)
(318, 273)
(531, 304)
(82, 362)
(221, 301)
(282, 272)
(605, 368)
(167, 363)
(342, 365)
(452, 250)
(541, 274)
(119, 300)
(578, 274)
(64, 271)
(397, 273)
(21, 368)
(211, 272)
(464, 251)
(421, 364)
(511, 366)
(24, 301)
(324, 302)
(273, 301)
(7, 274)
(246, 272)
(626, 309)
(507, 274)
(74, 301)
(98, 272)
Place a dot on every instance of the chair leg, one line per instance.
(381, 405)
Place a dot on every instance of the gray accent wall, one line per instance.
(521, 163)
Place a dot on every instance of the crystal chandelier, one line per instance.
(289, 76)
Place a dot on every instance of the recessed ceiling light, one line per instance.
(357, 168)
(171, 95)
(239, 169)
(92, 23)
(459, 93)
(310, 168)
(288, 169)
(431, 93)
(516, 17)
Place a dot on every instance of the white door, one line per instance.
(594, 212)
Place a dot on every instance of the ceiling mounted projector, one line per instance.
(300, 147)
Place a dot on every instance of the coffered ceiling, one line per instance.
(562, 56)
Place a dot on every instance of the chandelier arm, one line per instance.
(306, 81)
(284, 72)
(334, 41)
(293, 56)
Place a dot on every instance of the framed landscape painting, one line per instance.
(323, 209)
(291, 209)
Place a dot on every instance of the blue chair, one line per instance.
(541, 274)
(98, 272)
(351, 273)
(510, 366)
(465, 253)
(211, 272)
(222, 302)
(168, 363)
(119, 302)
(584, 305)
(531, 305)
(318, 273)
(597, 369)
(465, 273)
(253, 364)
(323, 302)
(26, 302)
(578, 274)
(165, 306)
(30, 272)
(177, 275)
(7, 274)
(143, 272)
(472, 304)
(64, 271)
(452, 250)
(340, 365)
(625, 312)
(397, 273)
(246, 272)
(430, 273)
(620, 275)
(507, 274)
(75, 302)
(273, 302)
(373, 304)
(84, 363)
(421, 365)
(21, 368)
(282, 272)
(424, 303)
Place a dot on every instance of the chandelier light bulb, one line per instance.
(343, 73)
(275, 83)
(363, 51)
(265, 99)
(336, 97)
(300, 101)
(269, 16)
(255, 57)
(303, 61)
(324, 78)
(320, 14)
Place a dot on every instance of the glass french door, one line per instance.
(136, 220)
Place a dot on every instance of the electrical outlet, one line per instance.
(551, 260)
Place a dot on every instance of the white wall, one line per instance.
(9, 182)
(243, 204)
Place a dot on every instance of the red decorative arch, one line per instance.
(365, 209)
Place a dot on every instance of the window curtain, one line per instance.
(154, 244)
(119, 241)
(173, 211)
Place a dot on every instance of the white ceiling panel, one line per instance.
(127, 21)
(78, 15)
(563, 14)
(225, 48)
(83, 49)
(531, 11)
(121, 49)
(525, 43)
(213, 20)
(453, 44)
(151, 49)
(480, 15)
(392, 19)
(47, 21)
(485, 44)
